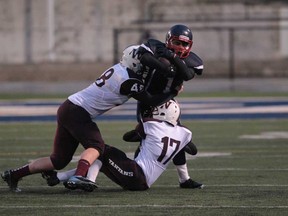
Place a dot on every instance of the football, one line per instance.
(165, 61)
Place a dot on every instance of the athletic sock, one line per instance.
(82, 168)
(20, 172)
(64, 176)
(182, 173)
(94, 170)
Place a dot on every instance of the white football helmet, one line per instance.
(169, 112)
(130, 59)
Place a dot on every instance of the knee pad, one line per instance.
(180, 158)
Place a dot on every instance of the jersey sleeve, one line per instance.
(149, 58)
(131, 87)
(153, 44)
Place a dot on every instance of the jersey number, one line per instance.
(137, 88)
(166, 143)
(105, 76)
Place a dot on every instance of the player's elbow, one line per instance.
(189, 76)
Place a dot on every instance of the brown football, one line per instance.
(165, 61)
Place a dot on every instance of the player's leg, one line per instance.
(64, 148)
(184, 179)
(122, 170)
(13, 176)
(53, 177)
(94, 170)
(88, 134)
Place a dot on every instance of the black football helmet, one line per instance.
(179, 39)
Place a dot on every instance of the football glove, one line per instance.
(191, 148)
(165, 52)
(171, 71)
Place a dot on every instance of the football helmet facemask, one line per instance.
(169, 112)
(179, 39)
(130, 59)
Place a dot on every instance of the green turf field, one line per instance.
(244, 168)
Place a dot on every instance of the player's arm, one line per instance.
(191, 148)
(154, 100)
(186, 73)
(135, 88)
(135, 135)
(149, 60)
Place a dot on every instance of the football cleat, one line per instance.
(191, 184)
(12, 183)
(50, 177)
(80, 182)
(67, 186)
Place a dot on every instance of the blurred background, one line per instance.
(61, 45)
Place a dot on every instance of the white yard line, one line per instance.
(143, 206)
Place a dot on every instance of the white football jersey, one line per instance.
(114, 87)
(162, 143)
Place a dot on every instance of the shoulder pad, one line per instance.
(195, 62)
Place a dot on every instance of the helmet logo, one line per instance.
(167, 104)
(135, 54)
(168, 112)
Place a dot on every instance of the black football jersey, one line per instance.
(157, 82)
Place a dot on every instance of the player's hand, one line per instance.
(180, 88)
(170, 72)
(198, 72)
(164, 52)
(191, 148)
(132, 136)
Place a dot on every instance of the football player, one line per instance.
(161, 139)
(75, 122)
(177, 49)
(185, 64)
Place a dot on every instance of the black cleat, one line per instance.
(191, 184)
(67, 186)
(12, 183)
(51, 177)
(80, 182)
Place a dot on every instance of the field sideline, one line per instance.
(191, 109)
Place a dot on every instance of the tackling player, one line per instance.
(75, 122)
